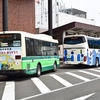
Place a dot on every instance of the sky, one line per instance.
(92, 7)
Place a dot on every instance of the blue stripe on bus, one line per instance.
(91, 55)
(78, 57)
(72, 57)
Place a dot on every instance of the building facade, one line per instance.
(32, 15)
(59, 16)
(21, 15)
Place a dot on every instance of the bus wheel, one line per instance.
(55, 67)
(97, 62)
(38, 70)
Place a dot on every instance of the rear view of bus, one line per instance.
(74, 47)
(10, 53)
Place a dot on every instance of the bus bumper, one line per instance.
(73, 63)
(12, 72)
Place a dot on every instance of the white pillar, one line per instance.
(64, 34)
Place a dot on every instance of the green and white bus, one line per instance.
(26, 53)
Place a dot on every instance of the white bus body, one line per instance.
(81, 49)
(22, 52)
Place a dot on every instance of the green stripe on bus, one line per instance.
(47, 63)
(39, 57)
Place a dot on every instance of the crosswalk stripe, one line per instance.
(89, 73)
(95, 70)
(40, 85)
(61, 80)
(78, 76)
(9, 91)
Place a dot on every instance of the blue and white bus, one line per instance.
(81, 49)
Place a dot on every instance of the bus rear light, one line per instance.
(85, 58)
(18, 57)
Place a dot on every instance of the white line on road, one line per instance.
(89, 73)
(84, 97)
(95, 70)
(9, 91)
(32, 97)
(40, 85)
(61, 80)
(78, 76)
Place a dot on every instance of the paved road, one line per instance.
(65, 84)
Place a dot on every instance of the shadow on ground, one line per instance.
(27, 77)
(75, 67)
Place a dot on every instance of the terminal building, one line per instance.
(75, 12)
(60, 15)
(32, 16)
(21, 15)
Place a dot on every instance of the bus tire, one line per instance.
(97, 62)
(55, 67)
(38, 70)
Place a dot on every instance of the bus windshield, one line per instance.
(10, 40)
(74, 40)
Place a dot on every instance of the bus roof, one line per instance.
(31, 35)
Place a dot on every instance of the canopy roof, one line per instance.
(75, 28)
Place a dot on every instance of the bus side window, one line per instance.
(46, 54)
(98, 44)
(0, 43)
(90, 43)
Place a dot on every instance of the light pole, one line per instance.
(5, 15)
(50, 17)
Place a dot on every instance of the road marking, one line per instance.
(78, 76)
(9, 91)
(95, 70)
(40, 85)
(84, 97)
(30, 97)
(89, 73)
(61, 80)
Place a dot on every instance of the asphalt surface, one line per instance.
(68, 83)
